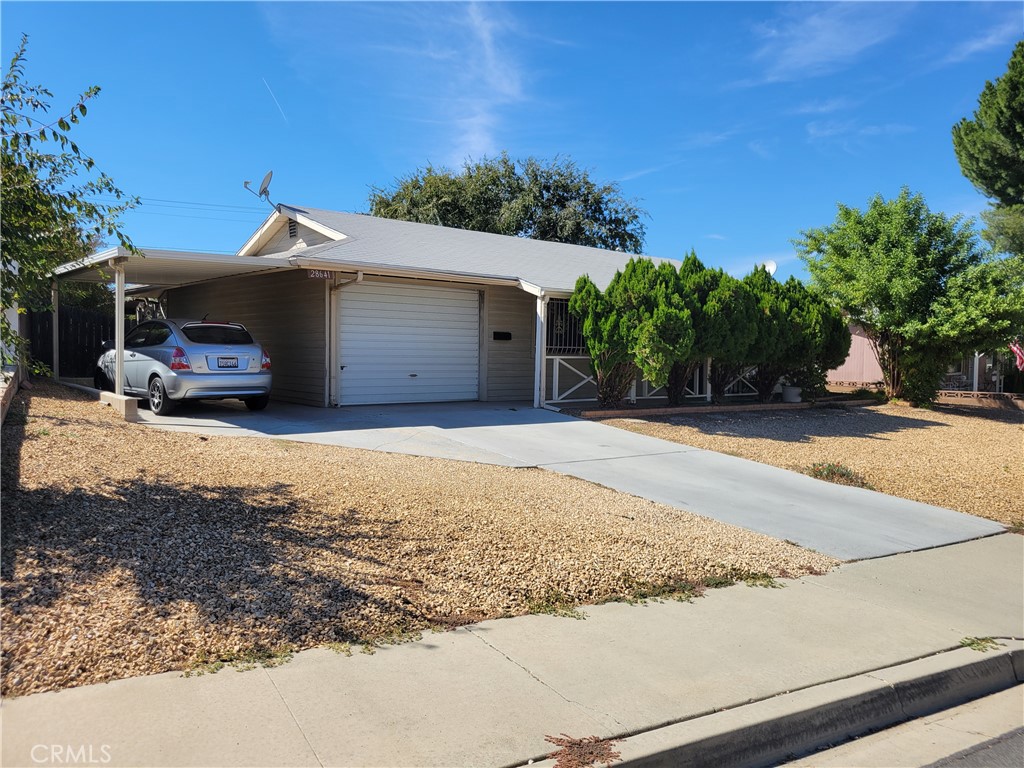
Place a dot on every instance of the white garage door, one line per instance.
(408, 344)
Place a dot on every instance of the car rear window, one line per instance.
(208, 333)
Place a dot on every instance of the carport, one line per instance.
(149, 271)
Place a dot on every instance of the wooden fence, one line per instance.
(81, 334)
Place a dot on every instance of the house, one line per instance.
(357, 309)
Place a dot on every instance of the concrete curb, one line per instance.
(790, 725)
(10, 381)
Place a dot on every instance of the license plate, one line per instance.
(227, 362)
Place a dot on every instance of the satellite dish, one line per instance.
(264, 193)
(265, 185)
(770, 267)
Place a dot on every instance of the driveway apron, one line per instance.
(845, 522)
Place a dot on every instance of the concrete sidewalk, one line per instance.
(673, 676)
(847, 523)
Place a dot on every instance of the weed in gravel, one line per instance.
(343, 649)
(555, 603)
(750, 578)
(245, 659)
(837, 473)
(582, 753)
(636, 592)
(718, 581)
(980, 643)
(760, 580)
(1017, 526)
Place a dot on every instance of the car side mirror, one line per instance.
(108, 344)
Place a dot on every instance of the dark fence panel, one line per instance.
(81, 334)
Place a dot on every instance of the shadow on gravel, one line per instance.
(232, 552)
(247, 560)
(801, 426)
(1009, 414)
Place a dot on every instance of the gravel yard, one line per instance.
(967, 459)
(127, 550)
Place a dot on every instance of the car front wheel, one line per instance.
(257, 403)
(159, 402)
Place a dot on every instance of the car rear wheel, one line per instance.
(257, 403)
(159, 402)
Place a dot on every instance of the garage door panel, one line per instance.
(405, 343)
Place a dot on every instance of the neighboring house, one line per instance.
(357, 309)
(979, 372)
(861, 368)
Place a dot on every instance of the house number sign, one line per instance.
(320, 274)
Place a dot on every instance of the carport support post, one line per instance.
(540, 354)
(119, 328)
(55, 331)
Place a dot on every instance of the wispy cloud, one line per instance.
(489, 80)
(850, 135)
(825, 107)
(996, 37)
(681, 149)
(457, 67)
(715, 237)
(810, 40)
(762, 148)
(630, 175)
(704, 139)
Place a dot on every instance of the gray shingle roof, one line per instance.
(409, 245)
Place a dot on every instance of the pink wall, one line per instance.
(861, 366)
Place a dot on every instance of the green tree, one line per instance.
(919, 285)
(730, 320)
(607, 336)
(781, 343)
(722, 318)
(52, 205)
(990, 149)
(553, 201)
(659, 331)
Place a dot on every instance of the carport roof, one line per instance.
(167, 269)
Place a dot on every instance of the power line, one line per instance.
(205, 205)
(187, 216)
(185, 204)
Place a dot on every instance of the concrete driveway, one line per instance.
(847, 523)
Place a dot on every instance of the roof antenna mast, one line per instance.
(264, 193)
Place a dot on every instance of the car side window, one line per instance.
(158, 334)
(137, 338)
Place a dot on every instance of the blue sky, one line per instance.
(735, 125)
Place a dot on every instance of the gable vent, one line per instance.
(293, 228)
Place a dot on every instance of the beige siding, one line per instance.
(283, 311)
(281, 242)
(510, 363)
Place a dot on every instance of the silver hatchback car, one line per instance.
(170, 360)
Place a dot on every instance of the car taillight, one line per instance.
(265, 363)
(179, 360)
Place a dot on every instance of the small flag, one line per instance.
(1018, 352)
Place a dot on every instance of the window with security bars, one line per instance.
(565, 331)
